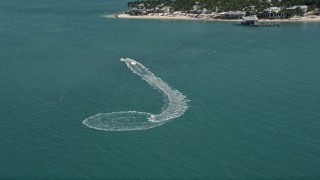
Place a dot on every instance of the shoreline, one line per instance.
(170, 17)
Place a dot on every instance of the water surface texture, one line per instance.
(254, 110)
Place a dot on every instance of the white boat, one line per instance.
(133, 62)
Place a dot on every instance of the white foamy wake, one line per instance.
(175, 105)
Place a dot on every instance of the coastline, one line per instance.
(170, 17)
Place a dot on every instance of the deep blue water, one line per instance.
(254, 95)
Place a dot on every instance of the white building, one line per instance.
(141, 6)
(304, 8)
(204, 11)
(273, 9)
(232, 14)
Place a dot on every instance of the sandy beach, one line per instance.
(188, 17)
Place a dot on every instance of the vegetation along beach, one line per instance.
(225, 10)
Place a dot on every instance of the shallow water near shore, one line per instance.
(254, 95)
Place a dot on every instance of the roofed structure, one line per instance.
(250, 20)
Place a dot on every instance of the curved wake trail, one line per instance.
(175, 105)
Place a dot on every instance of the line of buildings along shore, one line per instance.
(196, 11)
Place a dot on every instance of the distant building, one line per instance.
(141, 6)
(273, 9)
(232, 14)
(165, 9)
(196, 9)
(303, 8)
(204, 11)
(136, 11)
(252, 7)
(272, 12)
(150, 10)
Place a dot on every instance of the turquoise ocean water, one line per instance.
(254, 110)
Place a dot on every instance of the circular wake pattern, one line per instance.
(121, 121)
(175, 105)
